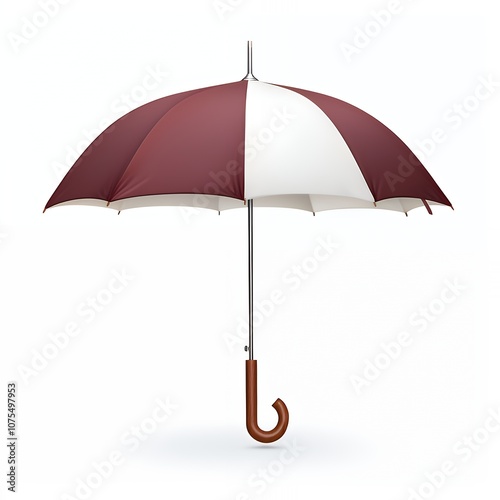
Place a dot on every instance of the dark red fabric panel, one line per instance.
(389, 167)
(196, 147)
(98, 171)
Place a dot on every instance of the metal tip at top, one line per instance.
(249, 75)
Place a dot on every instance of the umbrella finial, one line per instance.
(249, 75)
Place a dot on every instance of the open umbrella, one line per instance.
(249, 144)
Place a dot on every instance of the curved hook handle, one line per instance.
(252, 426)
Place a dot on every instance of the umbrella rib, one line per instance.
(311, 204)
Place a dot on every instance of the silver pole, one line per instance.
(249, 75)
(250, 279)
(249, 58)
(249, 348)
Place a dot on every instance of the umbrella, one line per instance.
(247, 144)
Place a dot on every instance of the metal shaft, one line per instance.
(249, 75)
(250, 279)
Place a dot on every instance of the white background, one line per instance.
(165, 335)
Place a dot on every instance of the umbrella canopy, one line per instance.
(216, 147)
(249, 143)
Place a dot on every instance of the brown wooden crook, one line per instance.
(252, 426)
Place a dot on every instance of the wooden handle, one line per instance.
(252, 426)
